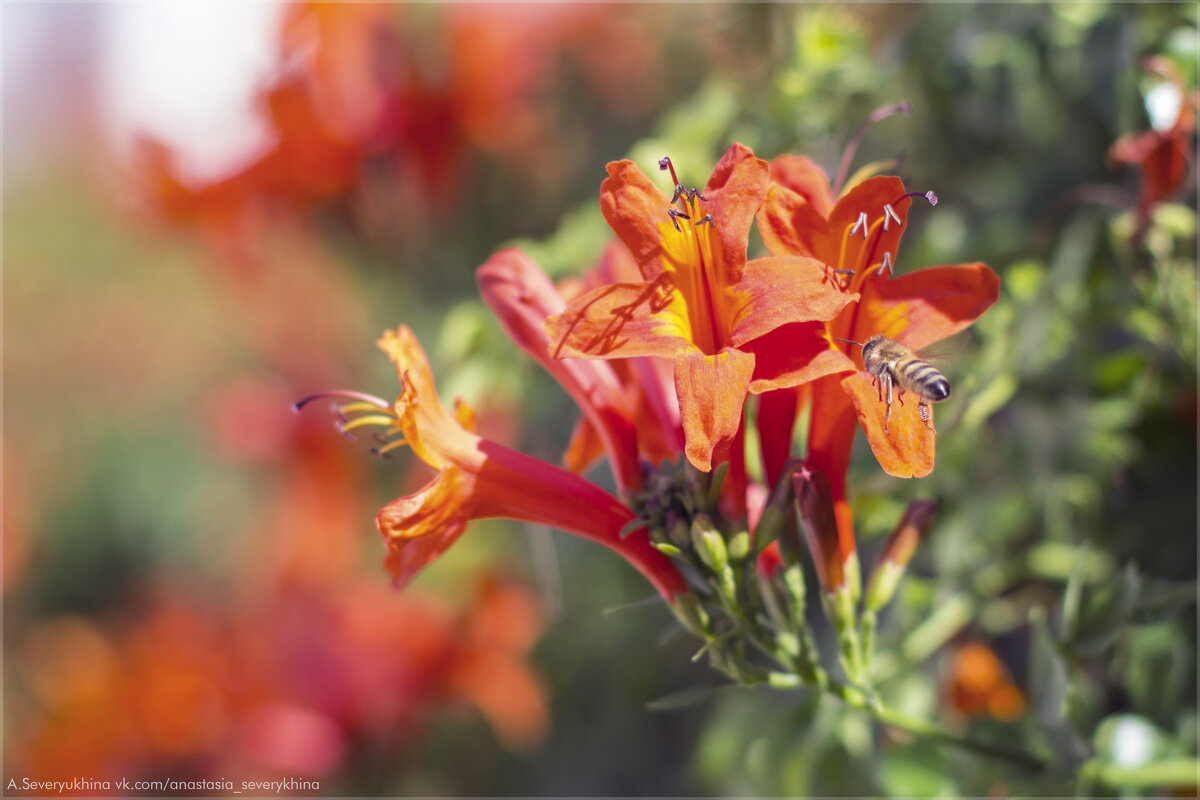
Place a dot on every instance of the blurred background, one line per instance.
(212, 210)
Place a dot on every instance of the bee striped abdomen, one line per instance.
(922, 378)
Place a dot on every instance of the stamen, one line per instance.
(862, 221)
(889, 214)
(674, 215)
(665, 164)
(678, 193)
(930, 196)
(887, 258)
(706, 218)
(370, 419)
(694, 194)
(375, 402)
(881, 113)
(382, 452)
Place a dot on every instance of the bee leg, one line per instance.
(888, 411)
(923, 410)
(900, 396)
(876, 381)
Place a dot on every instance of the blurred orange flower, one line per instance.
(981, 684)
(281, 687)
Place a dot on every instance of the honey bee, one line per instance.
(891, 364)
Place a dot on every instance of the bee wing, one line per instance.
(947, 350)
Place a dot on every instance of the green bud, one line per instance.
(853, 573)
(839, 608)
(739, 546)
(884, 580)
(690, 611)
(709, 543)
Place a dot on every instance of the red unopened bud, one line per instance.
(814, 499)
(898, 551)
(913, 526)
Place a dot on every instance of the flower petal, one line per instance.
(782, 289)
(926, 306)
(792, 355)
(619, 321)
(435, 435)
(584, 447)
(790, 225)
(907, 449)
(523, 296)
(420, 527)
(831, 432)
(735, 191)
(712, 390)
(635, 210)
(802, 175)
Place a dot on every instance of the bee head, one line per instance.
(870, 345)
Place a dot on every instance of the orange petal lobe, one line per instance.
(789, 224)
(793, 355)
(926, 306)
(420, 527)
(776, 291)
(906, 450)
(619, 321)
(634, 209)
(802, 175)
(711, 389)
(735, 191)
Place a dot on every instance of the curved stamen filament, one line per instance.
(369, 400)
(370, 419)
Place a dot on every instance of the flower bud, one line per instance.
(690, 611)
(709, 543)
(898, 551)
(814, 501)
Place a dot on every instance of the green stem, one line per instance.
(930, 730)
(1175, 772)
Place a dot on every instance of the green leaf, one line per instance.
(1160, 599)
(1104, 612)
(685, 698)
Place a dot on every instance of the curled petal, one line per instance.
(419, 528)
(635, 210)
(435, 434)
(712, 390)
(906, 450)
(926, 306)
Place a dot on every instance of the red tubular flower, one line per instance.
(859, 239)
(700, 302)
(649, 380)
(478, 479)
(522, 296)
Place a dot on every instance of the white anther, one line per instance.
(889, 213)
(887, 259)
(862, 221)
